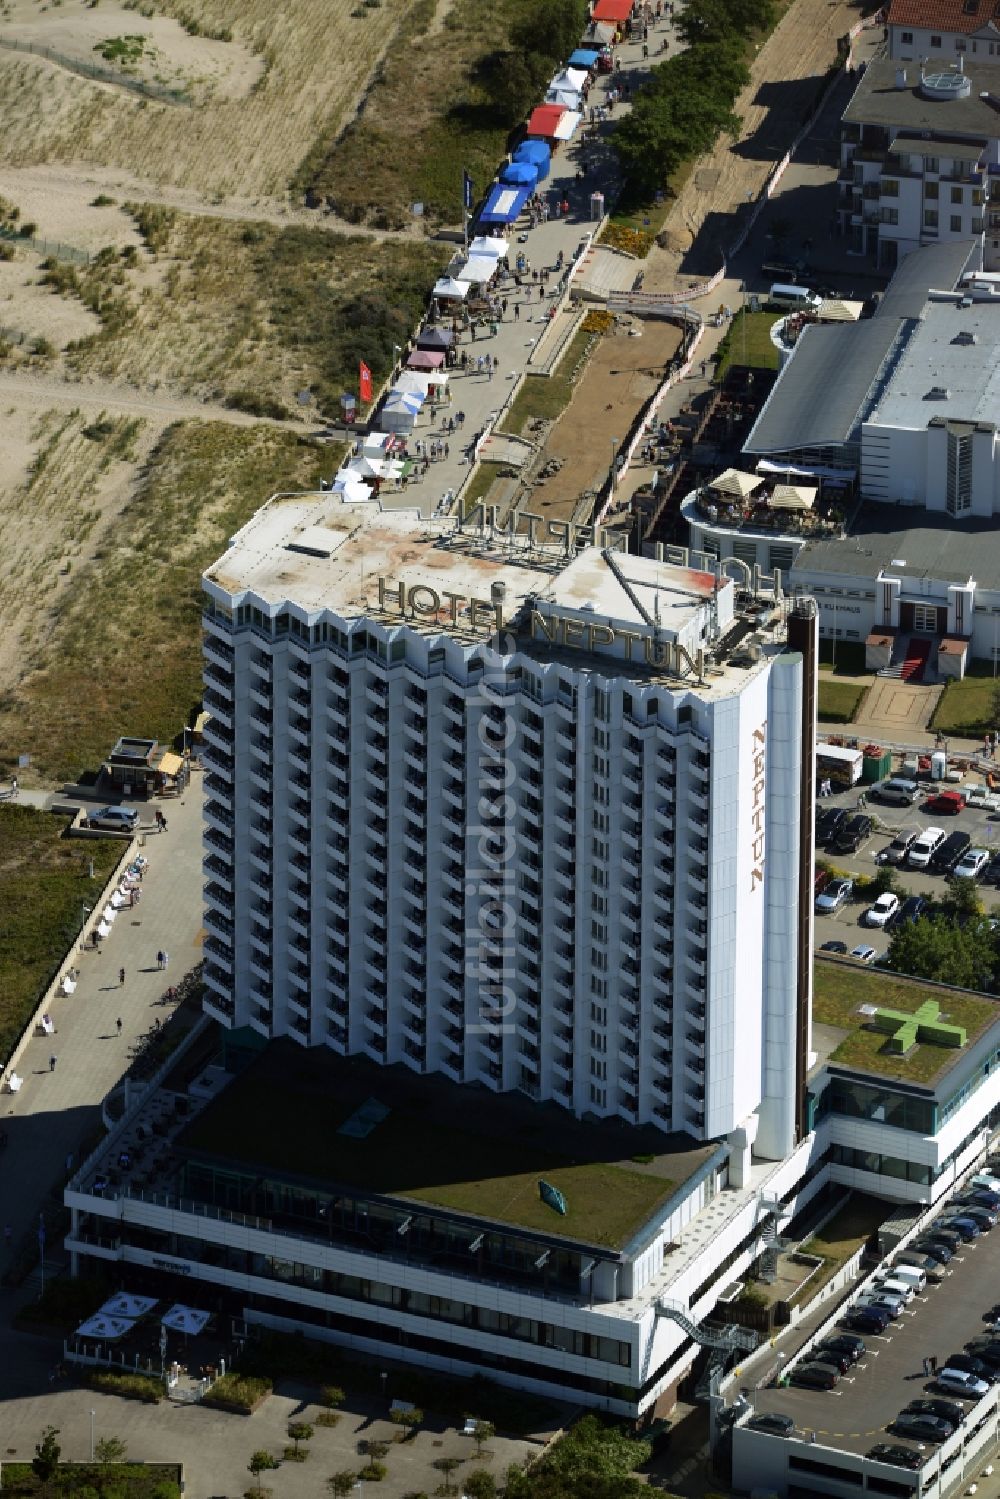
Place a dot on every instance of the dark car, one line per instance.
(773, 1422)
(867, 1319)
(830, 824)
(785, 270)
(948, 854)
(985, 1348)
(841, 1361)
(945, 1410)
(912, 909)
(982, 1197)
(935, 1249)
(985, 1217)
(850, 837)
(967, 1227)
(891, 1452)
(971, 1365)
(839, 947)
(843, 1342)
(942, 1234)
(814, 1376)
(922, 1428)
(991, 874)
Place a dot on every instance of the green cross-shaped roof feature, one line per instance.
(922, 1025)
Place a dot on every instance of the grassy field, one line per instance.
(547, 398)
(249, 312)
(120, 1481)
(304, 66)
(847, 1231)
(424, 122)
(839, 701)
(44, 884)
(839, 990)
(123, 650)
(748, 343)
(969, 707)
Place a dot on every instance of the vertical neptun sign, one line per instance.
(758, 740)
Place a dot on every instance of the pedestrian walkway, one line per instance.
(57, 1108)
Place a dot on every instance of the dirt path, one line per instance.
(784, 83)
(48, 391)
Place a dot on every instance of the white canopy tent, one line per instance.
(477, 269)
(448, 289)
(485, 244)
(351, 486)
(570, 79)
(105, 1329)
(413, 382)
(568, 98)
(399, 414)
(376, 444)
(185, 1319)
(567, 125)
(127, 1305)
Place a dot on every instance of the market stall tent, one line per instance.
(448, 289)
(617, 11)
(566, 98)
(584, 57)
(422, 359)
(538, 153)
(435, 338)
(568, 124)
(570, 80)
(544, 121)
(503, 206)
(489, 244)
(478, 269)
(520, 174)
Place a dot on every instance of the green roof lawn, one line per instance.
(289, 1124)
(840, 988)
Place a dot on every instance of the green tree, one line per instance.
(935, 948)
(376, 1450)
(46, 1459)
(333, 1395)
(299, 1431)
(261, 1462)
(722, 21)
(480, 1484)
(447, 1466)
(961, 902)
(484, 1433)
(551, 30)
(886, 878)
(410, 1419)
(111, 1450)
(340, 1484)
(597, 1450)
(514, 82)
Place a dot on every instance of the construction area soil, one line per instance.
(786, 79)
(623, 373)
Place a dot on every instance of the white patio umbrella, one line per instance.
(127, 1305)
(105, 1329)
(186, 1319)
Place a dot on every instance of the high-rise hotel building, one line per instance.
(524, 811)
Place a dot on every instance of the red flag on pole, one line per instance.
(364, 382)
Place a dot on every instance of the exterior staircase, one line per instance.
(916, 654)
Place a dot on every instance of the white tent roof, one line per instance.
(570, 78)
(105, 1329)
(478, 268)
(413, 380)
(736, 483)
(792, 497)
(604, 32)
(566, 126)
(448, 288)
(485, 244)
(185, 1319)
(436, 377)
(375, 443)
(568, 98)
(411, 400)
(351, 485)
(127, 1305)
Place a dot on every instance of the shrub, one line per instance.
(373, 1472)
(238, 1392)
(332, 1395)
(130, 1386)
(102, 201)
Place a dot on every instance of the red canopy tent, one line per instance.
(612, 10)
(425, 359)
(544, 119)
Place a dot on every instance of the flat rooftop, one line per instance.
(947, 367)
(848, 1039)
(940, 547)
(877, 101)
(473, 1153)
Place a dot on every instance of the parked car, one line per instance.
(984, 1217)
(992, 873)
(830, 824)
(884, 909)
(967, 1227)
(834, 896)
(892, 1304)
(947, 855)
(972, 863)
(983, 1198)
(945, 1410)
(967, 1363)
(117, 819)
(946, 803)
(984, 1347)
(922, 1428)
(864, 953)
(912, 909)
(839, 947)
(935, 1249)
(844, 1342)
(899, 1457)
(772, 1422)
(814, 1376)
(896, 792)
(851, 836)
(870, 1319)
(841, 1361)
(924, 846)
(897, 850)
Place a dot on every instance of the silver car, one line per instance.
(115, 819)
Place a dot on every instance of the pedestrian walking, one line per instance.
(503, 307)
(13, 787)
(166, 957)
(118, 1025)
(121, 978)
(159, 959)
(927, 1367)
(446, 450)
(517, 312)
(53, 1059)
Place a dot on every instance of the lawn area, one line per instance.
(547, 398)
(839, 989)
(748, 343)
(44, 884)
(844, 1235)
(839, 701)
(135, 609)
(291, 1122)
(850, 658)
(968, 707)
(479, 485)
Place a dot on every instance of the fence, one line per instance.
(147, 88)
(52, 247)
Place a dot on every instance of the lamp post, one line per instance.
(614, 463)
(93, 1418)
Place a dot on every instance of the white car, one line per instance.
(884, 909)
(864, 953)
(958, 1382)
(891, 1304)
(922, 851)
(972, 863)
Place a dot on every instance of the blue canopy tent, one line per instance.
(504, 204)
(583, 57)
(538, 154)
(520, 174)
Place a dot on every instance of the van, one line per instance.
(897, 792)
(918, 1259)
(792, 298)
(947, 855)
(851, 836)
(910, 1275)
(925, 847)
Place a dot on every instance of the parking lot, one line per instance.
(847, 924)
(938, 1323)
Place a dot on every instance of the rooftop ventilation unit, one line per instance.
(942, 87)
(938, 393)
(965, 337)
